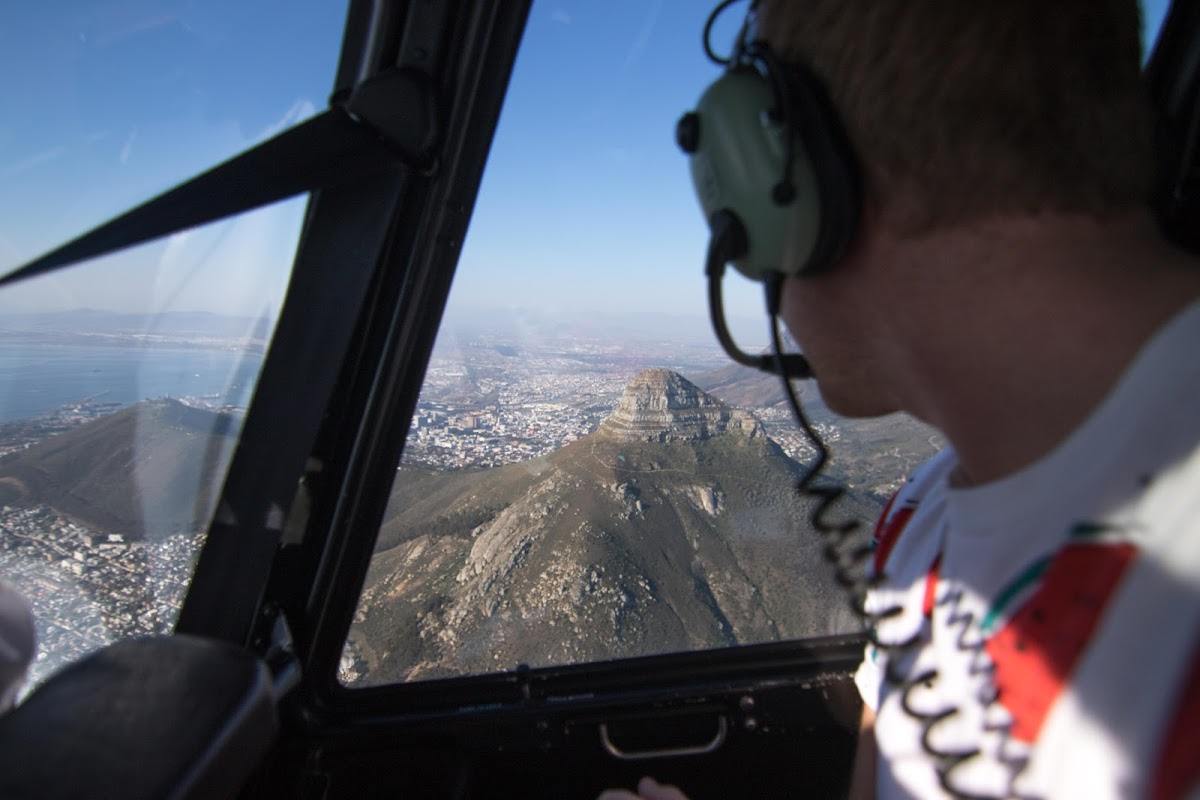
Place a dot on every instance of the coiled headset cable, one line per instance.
(846, 550)
(714, 15)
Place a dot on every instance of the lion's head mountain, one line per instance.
(674, 526)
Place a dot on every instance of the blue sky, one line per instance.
(586, 205)
(108, 103)
(1153, 12)
(586, 188)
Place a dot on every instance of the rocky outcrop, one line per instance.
(662, 406)
(708, 499)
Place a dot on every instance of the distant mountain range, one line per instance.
(751, 388)
(542, 325)
(111, 323)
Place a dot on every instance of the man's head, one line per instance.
(961, 114)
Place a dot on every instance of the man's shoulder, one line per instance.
(928, 479)
(1164, 518)
(921, 492)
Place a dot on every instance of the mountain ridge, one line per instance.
(147, 471)
(616, 545)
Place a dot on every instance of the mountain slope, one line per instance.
(751, 388)
(147, 471)
(873, 455)
(675, 526)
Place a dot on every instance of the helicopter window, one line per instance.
(107, 104)
(586, 477)
(1154, 12)
(124, 379)
(123, 383)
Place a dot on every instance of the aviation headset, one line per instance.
(781, 189)
(774, 172)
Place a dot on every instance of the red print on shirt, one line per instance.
(1036, 652)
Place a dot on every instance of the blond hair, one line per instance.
(962, 109)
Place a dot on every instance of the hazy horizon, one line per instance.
(508, 323)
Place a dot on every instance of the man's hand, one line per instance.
(862, 779)
(647, 789)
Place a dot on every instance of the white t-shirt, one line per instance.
(1059, 607)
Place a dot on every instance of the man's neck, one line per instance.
(1008, 337)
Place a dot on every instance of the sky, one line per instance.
(109, 102)
(586, 205)
(586, 188)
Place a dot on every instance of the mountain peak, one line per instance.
(663, 406)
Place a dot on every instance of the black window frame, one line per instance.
(405, 226)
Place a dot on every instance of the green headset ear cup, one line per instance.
(835, 166)
(737, 161)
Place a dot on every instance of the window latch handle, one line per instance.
(665, 752)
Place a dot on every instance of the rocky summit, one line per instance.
(663, 406)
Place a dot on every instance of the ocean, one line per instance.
(36, 378)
